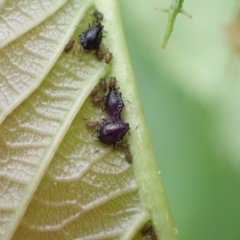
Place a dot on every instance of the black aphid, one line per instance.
(92, 37)
(110, 131)
(114, 103)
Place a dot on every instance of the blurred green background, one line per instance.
(187, 95)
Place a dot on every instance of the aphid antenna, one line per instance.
(136, 127)
(125, 98)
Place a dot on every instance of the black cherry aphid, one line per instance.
(98, 15)
(91, 37)
(114, 103)
(110, 131)
(69, 46)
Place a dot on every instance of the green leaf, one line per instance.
(57, 182)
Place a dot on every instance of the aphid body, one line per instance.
(69, 46)
(103, 85)
(98, 101)
(110, 131)
(101, 52)
(95, 91)
(98, 15)
(108, 57)
(92, 37)
(114, 103)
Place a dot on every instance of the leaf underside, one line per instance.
(57, 181)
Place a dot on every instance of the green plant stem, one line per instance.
(173, 11)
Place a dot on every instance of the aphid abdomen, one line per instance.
(111, 131)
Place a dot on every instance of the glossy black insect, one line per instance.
(69, 46)
(111, 131)
(98, 15)
(114, 103)
(92, 37)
